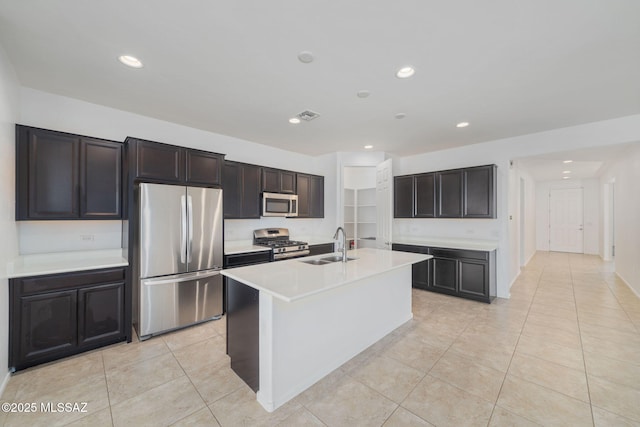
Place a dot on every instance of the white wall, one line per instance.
(61, 236)
(626, 173)
(55, 112)
(500, 152)
(591, 212)
(9, 109)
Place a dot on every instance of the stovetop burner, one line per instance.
(281, 243)
(278, 240)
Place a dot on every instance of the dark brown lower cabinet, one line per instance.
(54, 316)
(243, 331)
(323, 248)
(463, 273)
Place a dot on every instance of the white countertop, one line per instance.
(232, 247)
(293, 279)
(442, 242)
(242, 246)
(63, 262)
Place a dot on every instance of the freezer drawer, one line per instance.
(173, 302)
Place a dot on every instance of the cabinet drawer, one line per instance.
(239, 260)
(54, 282)
(460, 253)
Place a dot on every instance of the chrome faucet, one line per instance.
(344, 242)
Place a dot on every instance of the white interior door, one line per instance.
(384, 204)
(565, 220)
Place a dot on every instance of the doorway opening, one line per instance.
(609, 242)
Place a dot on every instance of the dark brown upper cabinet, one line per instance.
(310, 190)
(278, 181)
(457, 193)
(479, 192)
(403, 196)
(100, 179)
(66, 176)
(449, 194)
(425, 195)
(241, 183)
(165, 163)
(203, 167)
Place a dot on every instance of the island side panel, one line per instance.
(243, 342)
(304, 340)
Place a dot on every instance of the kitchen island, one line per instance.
(290, 323)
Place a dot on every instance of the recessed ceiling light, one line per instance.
(405, 72)
(400, 115)
(363, 93)
(130, 61)
(305, 57)
(294, 120)
(565, 177)
(566, 171)
(368, 147)
(462, 125)
(567, 161)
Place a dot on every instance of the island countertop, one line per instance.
(293, 279)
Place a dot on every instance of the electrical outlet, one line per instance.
(87, 237)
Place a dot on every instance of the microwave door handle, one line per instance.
(183, 229)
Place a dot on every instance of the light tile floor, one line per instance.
(563, 350)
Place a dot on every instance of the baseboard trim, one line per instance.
(628, 285)
(5, 381)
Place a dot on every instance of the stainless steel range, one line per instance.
(278, 240)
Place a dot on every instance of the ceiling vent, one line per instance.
(307, 115)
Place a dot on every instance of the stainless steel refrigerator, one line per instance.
(180, 257)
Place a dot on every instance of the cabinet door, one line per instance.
(304, 192)
(449, 194)
(420, 274)
(287, 182)
(100, 313)
(425, 195)
(250, 190)
(270, 180)
(445, 274)
(161, 162)
(232, 196)
(203, 168)
(100, 179)
(479, 192)
(47, 325)
(474, 279)
(317, 197)
(47, 174)
(403, 197)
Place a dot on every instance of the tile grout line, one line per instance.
(584, 359)
(206, 405)
(515, 349)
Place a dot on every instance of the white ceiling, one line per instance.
(586, 163)
(507, 67)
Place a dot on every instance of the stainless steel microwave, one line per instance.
(275, 204)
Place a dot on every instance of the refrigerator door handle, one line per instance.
(183, 229)
(189, 226)
(180, 278)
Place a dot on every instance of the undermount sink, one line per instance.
(325, 260)
(335, 258)
(315, 261)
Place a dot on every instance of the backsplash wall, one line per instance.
(299, 228)
(62, 236)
